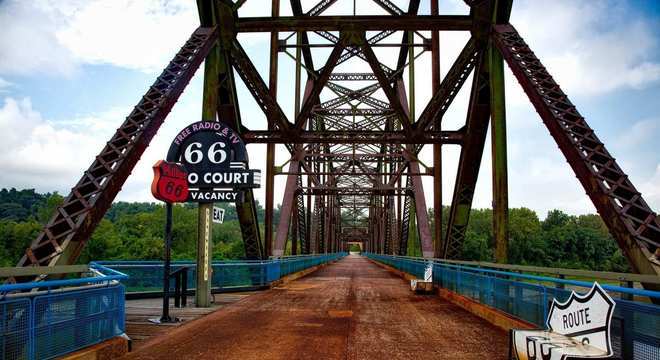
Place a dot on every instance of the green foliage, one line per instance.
(525, 244)
(561, 240)
(121, 208)
(354, 248)
(132, 231)
(16, 237)
(479, 236)
(129, 231)
(46, 210)
(21, 205)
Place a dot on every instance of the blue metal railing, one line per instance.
(62, 316)
(635, 325)
(58, 317)
(147, 276)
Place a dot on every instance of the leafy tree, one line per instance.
(354, 248)
(16, 237)
(13, 211)
(478, 241)
(105, 244)
(19, 205)
(135, 231)
(525, 244)
(555, 218)
(45, 211)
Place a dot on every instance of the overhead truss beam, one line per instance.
(360, 22)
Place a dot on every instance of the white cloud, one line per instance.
(37, 153)
(4, 84)
(55, 37)
(49, 156)
(134, 34)
(650, 189)
(640, 132)
(28, 43)
(590, 47)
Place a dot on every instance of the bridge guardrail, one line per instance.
(147, 276)
(635, 325)
(47, 319)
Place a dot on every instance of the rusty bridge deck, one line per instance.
(352, 309)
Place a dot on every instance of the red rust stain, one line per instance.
(352, 309)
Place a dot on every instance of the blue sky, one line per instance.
(71, 70)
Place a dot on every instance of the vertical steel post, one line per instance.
(412, 231)
(311, 248)
(411, 76)
(204, 238)
(270, 187)
(296, 100)
(324, 226)
(328, 220)
(293, 233)
(413, 167)
(270, 148)
(286, 210)
(499, 153)
(294, 216)
(399, 214)
(437, 148)
(323, 240)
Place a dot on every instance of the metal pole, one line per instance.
(270, 148)
(209, 113)
(412, 226)
(411, 75)
(296, 111)
(293, 233)
(499, 155)
(166, 268)
(437, 148)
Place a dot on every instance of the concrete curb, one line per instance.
(494, 316)
(297, 275)
(112, 348)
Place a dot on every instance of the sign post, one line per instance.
(204, 250)
(169, 185)
(216, 162)
(166, 268)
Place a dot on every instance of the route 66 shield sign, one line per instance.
(578, 328)
(169, 184)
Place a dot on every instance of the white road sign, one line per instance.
(578, 328)
(218, 215)
(428, 272)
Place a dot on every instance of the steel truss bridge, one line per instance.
(355, 136)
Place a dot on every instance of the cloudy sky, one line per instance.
(71, 70)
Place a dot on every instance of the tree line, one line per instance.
(134, 231)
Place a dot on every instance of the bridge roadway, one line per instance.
(352, 309)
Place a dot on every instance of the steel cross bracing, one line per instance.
(628, 216)
(356, 131)
(65, 235)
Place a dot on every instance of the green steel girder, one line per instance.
(469, 161)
